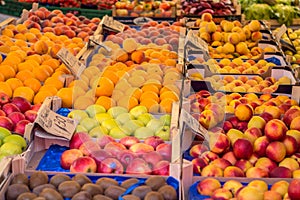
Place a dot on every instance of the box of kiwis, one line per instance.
(40, 185)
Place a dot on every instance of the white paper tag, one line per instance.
(282, 30)
(196, 41)
(71, 62)
(111, 24)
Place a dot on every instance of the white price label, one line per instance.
(71, 62)
(282, 30)
(55, 124)
(111, 24)
(196, 41)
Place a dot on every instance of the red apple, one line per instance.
(242, 149)
(16, 117)
(161, 168)
(128, 141)
(36, 107)
(2, 113)
(77, 139)
(6, 123)
(165, 150)
(199, 164)
(110, 165)
(197, 150)
(100, 155)
(22, 103)
(141, 148)
(227, 125)
(104, 139)
(4, 98)
(89, 146)
(154, 141)
(138, 166)
(275, 129)
(126, 157)
(30, 115)
(21, 126)
(9, 108)
(294, 189)
(152, 158)
(68, 157)
(281, 172)
(234, 121)
(242, 126)
(114, 148)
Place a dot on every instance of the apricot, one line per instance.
(41, 47)
(254, 25)
(138, 57)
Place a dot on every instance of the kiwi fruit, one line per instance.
(27, 196)
(101, 197)
(40, 198)
(83, 195)
(155, 182)
(168, 192)
(131, 197)
(129, 182)
(141, 191)
(38, 178)
(154, 196)
(20, 178)
(13, 191)
(38, 189)
(114, 192)
(68, 188)
(81, 179)
(51, 194)
(58, 179)
(92, 189)
(106, 182)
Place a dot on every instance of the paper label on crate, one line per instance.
(142, 20)
(282, 30)
(97, 39)
(71, 61)
(196, 41)
(111, 24)
(55, 124)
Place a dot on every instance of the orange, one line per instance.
(134, 92)
(33, 83)
(150, 87)
(149, 95)
(106, 102)
(1, 78)
(40, 73)
(128, 102)
(25, 92)
(24, 74)
(12, 63)
(111, 75)
(54, 81)
(41, 96)
(51, 88)
(14, 83)
(7, 71)
(148, 103)
(169, 94)
(170, 62)
(66, 95)
(105, 87)
(5, 88)
(166, 105)
(52, 63)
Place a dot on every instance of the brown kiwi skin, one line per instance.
(38, 178)
(168, 192)
(141, 191)
(20, 178)
(82, 195)
(51, 194)
(58, 179)
(13, 191)
(101, 197)
(92, 189)
(27, 196)
(69, 188)
(154, 196)
(106, 182)
(81, 179)
(131, 197)
(129, 182)
(114, 192)
(38, 189)
(155, 182)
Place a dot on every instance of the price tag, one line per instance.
(282, 30)
(111, 24)
(142, 20)
(54, 123)
(196, 41)
(71, 62)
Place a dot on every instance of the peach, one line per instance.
(259, 184)
(291, 145)
(138, 57)
(205, 36)
(243, 164)
(211, 170)
(281, 187)
(228, 48)
(197, 150)
(209, 156)
(266, 164)
(234, 134)
(296, 173)
(258, 122)
(276, 151)
(230, 157)
(254, 25)
(295, 124)
(293, 189)
(256, 36)
(281, 172)
(256, 172)
(233, 186)
(242, 49)
(218, 143)
(234, 38)
(207, 17)
(244, 112)
(252, 134)
(222, 193)
(211, 27)
(41, 47)
(250, 192)
(208, 119)
(227, 26)
(242, 149)
(295, 134)
(216, 36)
(208, 186)
(289, 163)
(274, 111)
(221, 163)
(272, 195)
(233, 171)
(217, 109)
(199, 164)
(275, 129)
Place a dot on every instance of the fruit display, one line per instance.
(129, 155)
(63, 186)
(214, 189)
(198, 8)
(145, 8)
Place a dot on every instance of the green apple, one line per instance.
(94, 109)
(100, 117)
(132, 125)
(166, 119)
(164, 133)
(80, 128)
(10, 149)
(117, 132)
(78, 115)
(124, 117)
(16, 139)
(155, 124)
(143, 133)
(109, 124)
(89, 123)
(98, 131)
(145, 118)
(138, 110)
(4, 132)
(115, 111)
